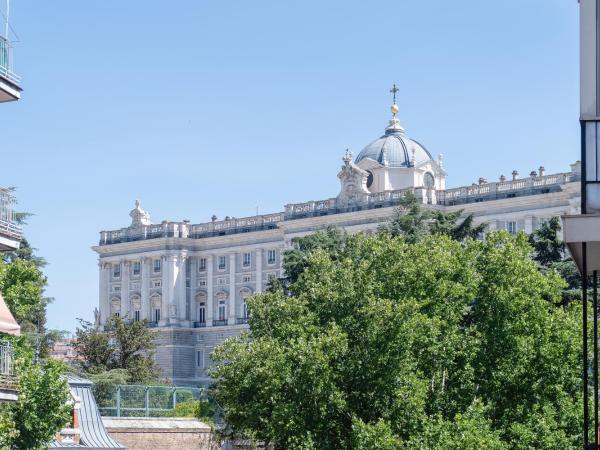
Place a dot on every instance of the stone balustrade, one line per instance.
(456, 196)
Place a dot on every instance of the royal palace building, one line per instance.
(191, 281)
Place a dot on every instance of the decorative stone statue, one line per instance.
(96, 317)
(139, 217)
(172, 311)
(353, 183)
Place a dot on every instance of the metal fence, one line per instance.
(6, 61)
(147, 401)
(8, 220)
(7, 373)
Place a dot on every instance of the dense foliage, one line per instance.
(42, 408)
(124, 345)
(408, 339)
(414, 222)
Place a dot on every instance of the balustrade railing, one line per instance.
(464, 194)
(217, 323)
(8, 220)
(7, 370)
(6, 62)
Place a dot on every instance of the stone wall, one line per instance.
(141, 433)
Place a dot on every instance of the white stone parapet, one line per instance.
(483, 191)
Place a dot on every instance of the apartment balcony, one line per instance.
(10, 232)
(8, 380)
(10, 83)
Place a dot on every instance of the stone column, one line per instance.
(169, 308)
(180, 289)
(145, 289)
(125, 306)
(232, 289)
(210, 295)
(528, 224)
(193, 286)
(103, 299)
(258, 264)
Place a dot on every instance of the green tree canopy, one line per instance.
(125, 345)
(414, 222)
(394, 344)
(42, 407)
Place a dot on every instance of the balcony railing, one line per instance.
(8, 222)
(6, 62)
(221, 322)
(241, 320)
(7, 374)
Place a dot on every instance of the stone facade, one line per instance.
(190, 281)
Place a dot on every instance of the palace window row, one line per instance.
(136, 269)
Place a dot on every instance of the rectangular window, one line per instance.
(201, 282)
(221, 281)
(247, 260)
(511, 227)
(157, 315)
(222, 262)
(116, 270)
(201, 313)
(156, 265)
(221, 310)
(246, 279)
(271, 256)
(117, 314)
(156, 283)
(137, 267)
(136, 315)
(200, 359)
(201, 264)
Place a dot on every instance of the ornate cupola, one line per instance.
(394, 161)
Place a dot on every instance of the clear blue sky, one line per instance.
(201, 108)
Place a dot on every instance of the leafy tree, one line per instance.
(128, 346)
(546, 243)
(376, 436)
(105, 384)
(410, 220)
(433, 344)
(414, 222)
(469, 431)
(41, 409)
(23, 283)
(448, 224)
(295, 260)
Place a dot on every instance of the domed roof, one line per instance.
(394, 148)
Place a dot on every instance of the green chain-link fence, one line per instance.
(150, 401)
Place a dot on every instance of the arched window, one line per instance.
(115, 306)
(244, 296)
(156, 302)
(222, 305)
(201, 300)
(136, 306)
